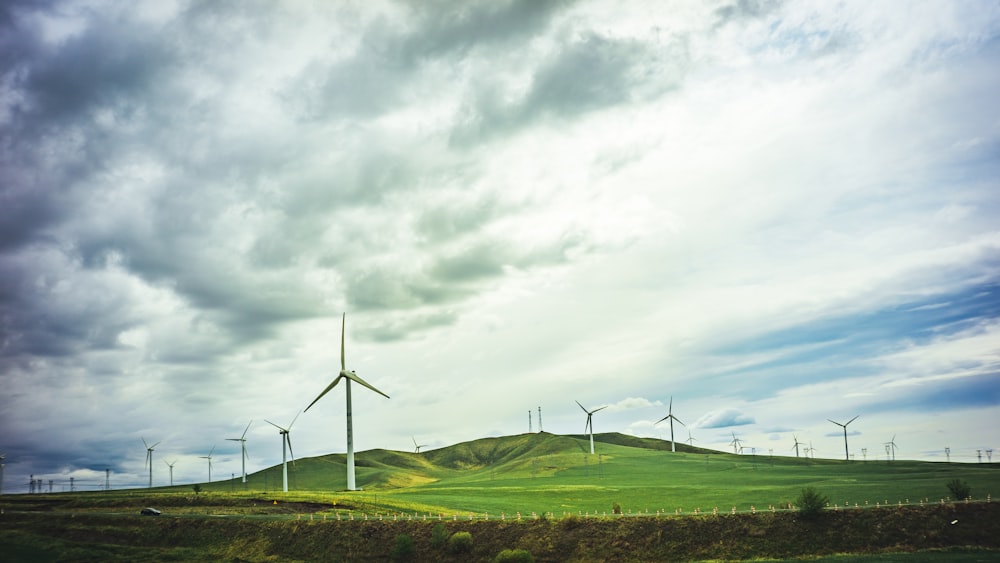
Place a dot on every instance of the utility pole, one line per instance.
(529, 421)
(540, 419)
(947, 453)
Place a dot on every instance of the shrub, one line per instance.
(959, 489)
(811, 503)
(439, 536)
(196, 489)
(460, 542)
(616, 508)
(514, 556)
(403, 550)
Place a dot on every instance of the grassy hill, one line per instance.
(548, 473)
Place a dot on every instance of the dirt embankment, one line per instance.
(741, 536)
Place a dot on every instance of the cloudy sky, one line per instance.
(774, 213)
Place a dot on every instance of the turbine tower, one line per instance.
(670, 416)
(286, 439)
(847, 455)
(243, 442)
(590, 424)
(209, 458)
(690, 439)
(149, 459)
(416, 446)
(891, 447)
(348, 377)
(796, 446)
(2, 457)
(171, 466)
(737, 444)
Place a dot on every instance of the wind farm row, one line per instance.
(348, 376)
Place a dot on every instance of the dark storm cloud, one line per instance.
(389, 57)
(588, 74)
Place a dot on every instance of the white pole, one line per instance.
(284, 464)
(350, 439)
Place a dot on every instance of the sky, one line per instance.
(769, 214)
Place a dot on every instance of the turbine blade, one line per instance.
(354, 377)
(678, 420)
(289, 429)
(662, 419)
(343, 326)
(852, 420)
(289, 440)
(600, 409)
(671, 409)
(273, 424)
(247, 428)
(325, 391)
(835, 422)
(154, 445)
(581, 406)
(210, 452)
(144, 442)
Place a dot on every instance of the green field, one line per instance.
(547, 473)
(564, 495)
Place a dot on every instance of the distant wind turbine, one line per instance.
(890, 447)
(2, 457)
(171, 466)
(243, 443)
(286, 439)
(416, 446)
(209, 458)
(590, 423)
(796, 446)
(847, 455)
(670, 416)
(149, 459)
(690, 439)
(348, 377)
(737, 444)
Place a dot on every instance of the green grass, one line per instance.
(546, 473)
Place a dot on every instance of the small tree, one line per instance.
(959, 489)
(811, 503)
(403, 550)
(196, 489)
(514, 556)
(439, 536)
(616, 508)
(460, 542)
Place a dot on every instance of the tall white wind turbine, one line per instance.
(589, 427)
(243, 442)
(286, 439)
(847, 455)
(670, 416)
(797, 444)
(171, 466)
(348, 377)
(891, 447)
(416, 446)
(149, 459)
(209, 458)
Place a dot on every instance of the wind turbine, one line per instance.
(590, 423)
(670, 416)
(348, 377)
(690, 439)
(796, 446)
(243, 442)
(2, 457)
(209, 458)
(416, 446)
(891, 446)
(286, 439)
(149, 459)
(736, 443)
(847, 455)
(171, 466)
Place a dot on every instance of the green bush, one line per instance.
(959, 489)
(514, 556)
(811, 503)
(403, 550)
(460, 542)
(439, 536)
(616, 508)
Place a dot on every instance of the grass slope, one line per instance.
(548, 473)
